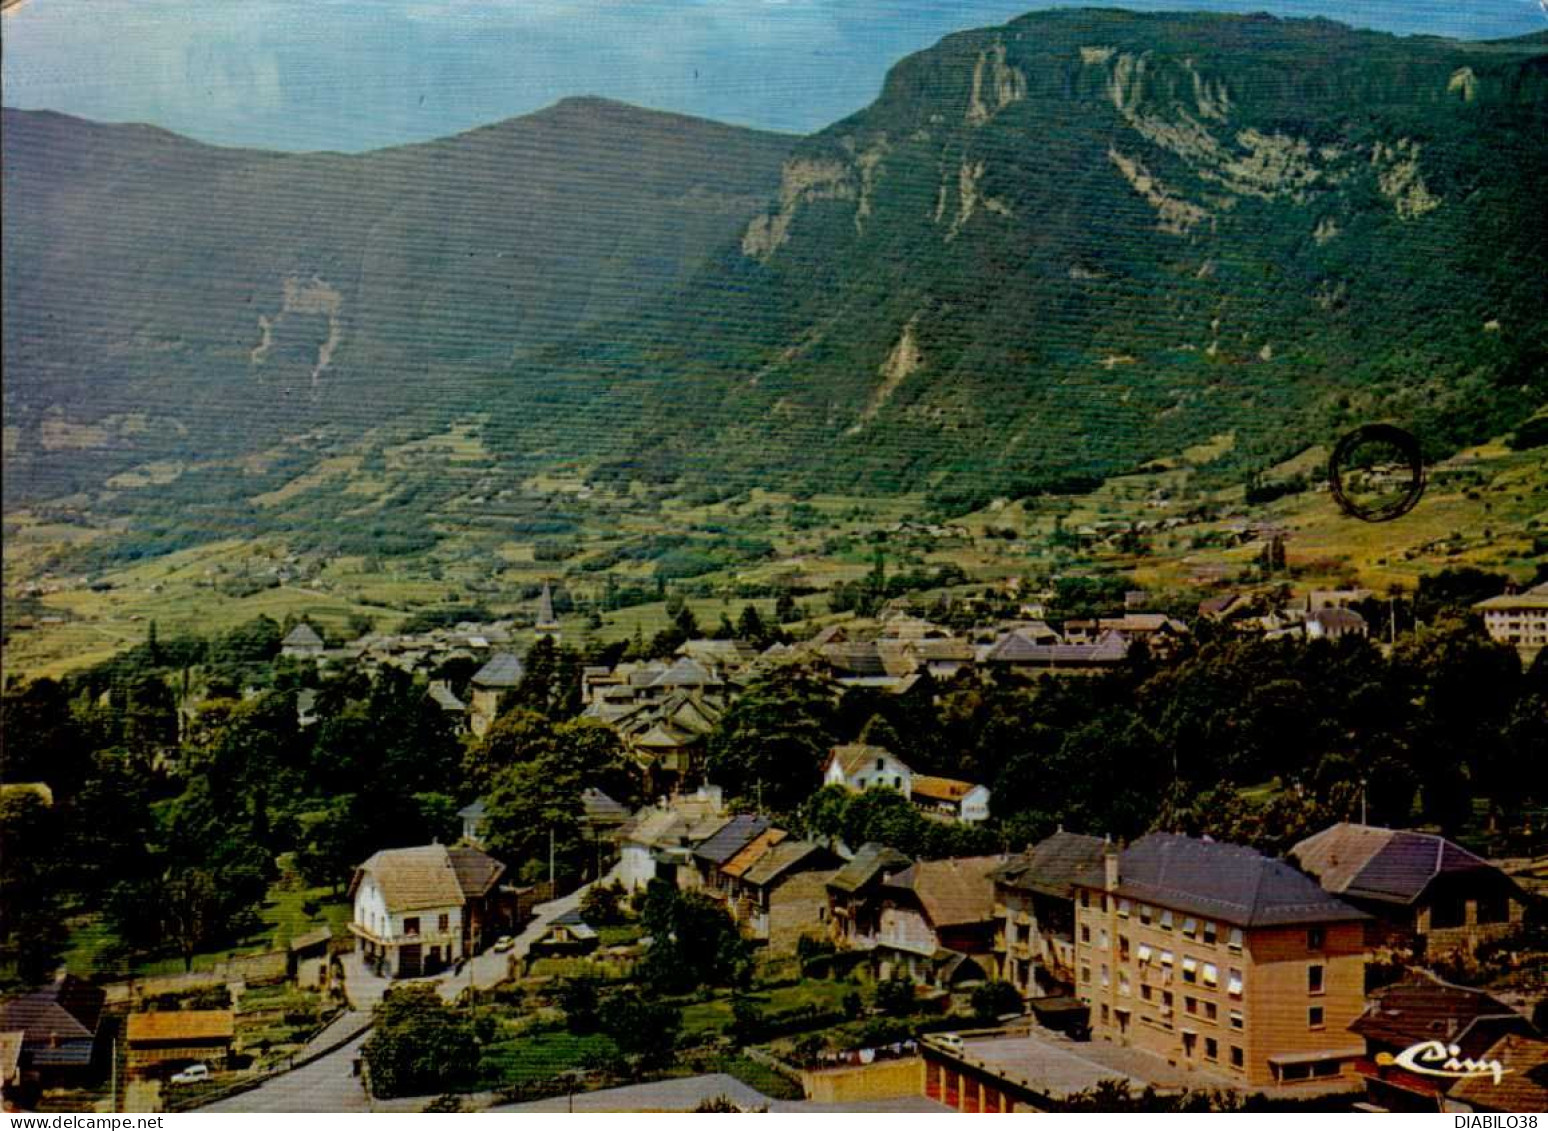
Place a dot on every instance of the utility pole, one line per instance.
(553, 892)
(1362, 801)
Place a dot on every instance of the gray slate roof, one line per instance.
(1228, 882)
(736, 835)
(1054, 864)
(1386, 865)
(502, 670)
(872, 861)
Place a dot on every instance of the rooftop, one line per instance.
(431, 875)
(182, 1025)
(1384, 865)
(1228, 882)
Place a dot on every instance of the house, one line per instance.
(1157, 630)
(854, 910)
(1419, 1008)
(418, 910)
(888, 665)
(1035, 904)
(781, 894)
(452, 708)
(472, 818)
(502, 673)
(1522, 1088)
(949, 798)
(1319, 599)
(1425, 892)
(303, 642)
(937, 921)
(659, 841)
(1020, 654)
(61, 1024)
(1518, 619)
(713, 854)
(568, 936)
(602, 821)
(1334, 624)
(859, 767)
(308, 955)
(1216, 956)
(175, 1038)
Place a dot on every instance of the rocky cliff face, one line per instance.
(1272, 222)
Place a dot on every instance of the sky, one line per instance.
(358, 74)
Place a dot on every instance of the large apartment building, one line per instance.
(1220, 959)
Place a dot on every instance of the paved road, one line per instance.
(327, 1084)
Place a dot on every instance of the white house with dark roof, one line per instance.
(858, 767)
(418, 910)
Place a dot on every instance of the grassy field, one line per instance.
(1484, 507)
(94, 948)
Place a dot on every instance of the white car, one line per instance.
(503, 944)
(193, 1074)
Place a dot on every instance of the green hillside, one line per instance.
(1068, 245)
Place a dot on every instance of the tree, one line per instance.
(694, 942)
(578, 998)
(785, 610)
(994, 999)
(895, 997)
(602, 905)
(773, 739)
(420, 1045)
(644, 1030)
(32, 936)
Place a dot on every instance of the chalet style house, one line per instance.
(858, 767)
(936, 921)
(418, 910)
(1426, 893)
(1214, 956)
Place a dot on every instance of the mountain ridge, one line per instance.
(1047, 251)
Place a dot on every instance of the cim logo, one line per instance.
(1436, 1058)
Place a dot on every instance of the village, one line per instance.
(939, 965)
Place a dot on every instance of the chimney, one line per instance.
(1109, 865)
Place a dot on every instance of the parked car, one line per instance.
(193, 1074)
(504, 943)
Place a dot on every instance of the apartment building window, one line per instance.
(1237, 1059)
(1314, 1017)
(1123, 909)
(1211, 975)
(1190, 969)
(443, 924)
(1104, 1015)
(1102, 938)
(1314, 938)
(1145, 993)
(1105, 978)
(1142, 956)
(1211, 1049)
(1209, 931)
(1124, 989)
(1166, 958)
(1123, 948)
(1166, 1002)
(1085, 973)
(411, 925)
(1190, 927)
(1145, 914)
(1234, 982)
(1191, 1005)
(1234, 940)
(1085, 934)
(1237, 1021)
(1314, 979)
(1166, 920)
(1085, 898)
(1211, 1011)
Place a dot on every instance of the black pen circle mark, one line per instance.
(1402, 442)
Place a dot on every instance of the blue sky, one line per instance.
(355, 74)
